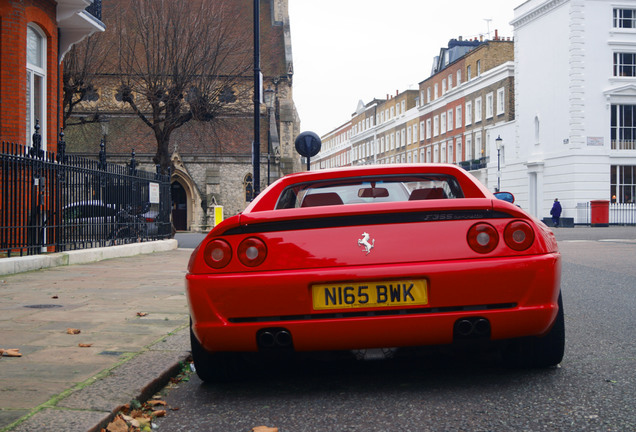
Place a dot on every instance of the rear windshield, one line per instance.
(370, 190)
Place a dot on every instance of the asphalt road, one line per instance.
(594, 388)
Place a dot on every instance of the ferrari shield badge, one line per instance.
(364, 242)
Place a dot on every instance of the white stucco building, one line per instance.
(575, 105)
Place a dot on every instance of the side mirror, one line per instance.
(505, 196)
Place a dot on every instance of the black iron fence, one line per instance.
(51, 202)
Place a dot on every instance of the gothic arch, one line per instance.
(193, 197)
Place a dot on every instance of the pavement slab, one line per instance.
(58, 386)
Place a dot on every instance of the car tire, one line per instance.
(539, 352)
(212, 367)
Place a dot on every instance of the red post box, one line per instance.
(600, 213)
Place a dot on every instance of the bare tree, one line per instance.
(81, 64)
(181, 60)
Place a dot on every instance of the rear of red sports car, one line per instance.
(374, 257)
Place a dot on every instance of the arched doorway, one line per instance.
(179, 206)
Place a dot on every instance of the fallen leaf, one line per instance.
(142, 314)
(264, 429)
(85, 345)
(159, 413)
(156, 402)
(73, 331)
(55, 297)
(133, 422)
(117, 425)
(12, 352)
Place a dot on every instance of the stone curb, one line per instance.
(82, 256)
(91, 408)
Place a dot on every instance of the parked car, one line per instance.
(88, 221)
(369, 257)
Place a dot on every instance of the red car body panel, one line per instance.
(516, 291)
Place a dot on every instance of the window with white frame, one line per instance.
(469, 113)
(449, 119)
(409, 160)
(443, 87)
(409, 136)
(403, 137)
(415, 133)
(489, 105)
(392, 111)
(422, 131)
(469, 73)
(443, 153)
(428, 128)
(458, 147)
(451, 156)
(421, 97)
(501, 101)
(397, 109)
(436, 154)
(435, 91)
(623, 127)
(459, 77)
(478, 114)
(428, 94)
(469, 147)
(422, 159)
(479, 150)
(36, 83)
(623, 183)
(450, 82)
(458, 117)
(403, 103)
(624, 64)
(435, 126)
(392, 141)
(397, 139)
(443, 123)
(478, 67)
(624, 18)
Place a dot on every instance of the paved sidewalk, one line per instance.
(58, 386)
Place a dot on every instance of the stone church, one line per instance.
(212, 168)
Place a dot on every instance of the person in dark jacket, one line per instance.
(556, 212)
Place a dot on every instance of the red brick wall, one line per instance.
(14, 17)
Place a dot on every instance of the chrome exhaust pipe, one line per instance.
(283, 338)
(481, 327)
(464, 327)
(266, 339)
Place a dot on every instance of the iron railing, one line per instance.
(52, 202)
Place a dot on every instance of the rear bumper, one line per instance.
(518, 296)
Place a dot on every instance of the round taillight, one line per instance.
(217, 254)
(252, 251)
(483, 237)
(519, 235)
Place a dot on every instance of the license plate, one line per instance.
(369, 294)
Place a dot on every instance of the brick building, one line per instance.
(34, 36)
(211, 166)
(454, 117)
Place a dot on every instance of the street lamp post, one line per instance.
(268, 96)
(256, 144)
(498, 142)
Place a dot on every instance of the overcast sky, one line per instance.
(350, 50)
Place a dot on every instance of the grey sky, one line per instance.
(350, 50)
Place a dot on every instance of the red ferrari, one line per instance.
(382, 256)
